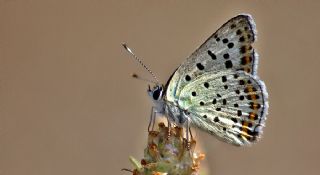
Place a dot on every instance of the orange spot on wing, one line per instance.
(255, 106)
(244, 129)
(252, 116)
(253, 97)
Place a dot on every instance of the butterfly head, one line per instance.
(156, 93)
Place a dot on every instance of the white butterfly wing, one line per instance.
(229, 48)
(228, 104)
(227, 51)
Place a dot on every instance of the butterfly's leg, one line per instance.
(188, 129)
(190, 133)
(152, 119)
(169, 127)
(169, 123)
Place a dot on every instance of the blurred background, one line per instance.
(69, 106)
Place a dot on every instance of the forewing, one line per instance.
(229, 48)
(229, 104)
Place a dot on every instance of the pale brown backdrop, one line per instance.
(69, 107)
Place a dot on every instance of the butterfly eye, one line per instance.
(157, 93)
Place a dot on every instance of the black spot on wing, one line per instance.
(214, 101)
(226, 56)
(228, 64)
(200, 66)
(212, 55)
(206, 84)
(230, 45)
(225, 40)
(188, 78)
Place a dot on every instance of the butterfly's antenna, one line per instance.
(141, 78)
(139, 60)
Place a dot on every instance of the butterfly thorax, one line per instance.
(168, 108)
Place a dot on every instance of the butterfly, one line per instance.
(217, 88)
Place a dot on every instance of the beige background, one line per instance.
(69, 107)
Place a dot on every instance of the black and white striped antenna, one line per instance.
(141, 63)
